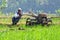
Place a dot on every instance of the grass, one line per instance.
(35, 32)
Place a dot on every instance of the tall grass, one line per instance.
(35, 32)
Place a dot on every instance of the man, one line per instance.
(17, 17)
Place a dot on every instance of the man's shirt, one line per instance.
(16, 15)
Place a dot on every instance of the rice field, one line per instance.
(35, 32)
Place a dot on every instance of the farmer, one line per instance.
(17, 17)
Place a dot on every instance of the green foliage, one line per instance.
(3, 3)
(58, 12)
